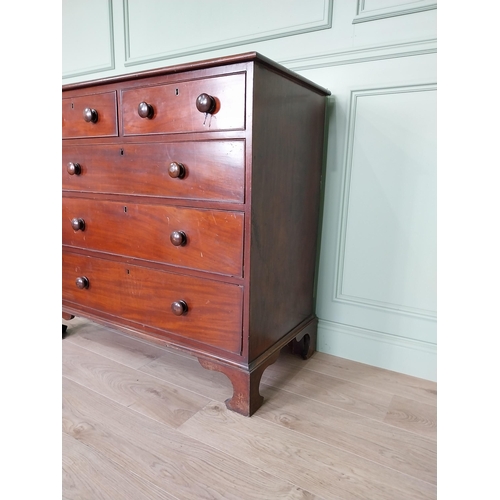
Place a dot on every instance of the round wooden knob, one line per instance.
(90, 115)
(74, 168)
(179, 307)
(205, 103)
(176, 170)
(145, 110)
(78, 224)
(82, 282)
(178, 238)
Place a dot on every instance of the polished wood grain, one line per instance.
(214, 237)
(214, 170)
(176, 72)
(74, 124)
(293, 446)
(254, 232)
(175, 108)
(246, 398)
(286, 173)
(144, 297)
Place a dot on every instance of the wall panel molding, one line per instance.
(362, 55)
(183, 47)
(80, 31)
(338, 280)
(412, 357)
(367, 13)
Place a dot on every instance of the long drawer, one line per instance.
(92, 115)
(208, 240)
(172, 108)
(200, 309)
(205, 170)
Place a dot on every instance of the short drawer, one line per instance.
(93, 115)
(173, 106)
(204, 170)
(207, 240)
(200, 309)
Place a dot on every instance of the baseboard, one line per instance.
(399, 354)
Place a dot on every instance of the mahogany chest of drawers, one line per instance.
(190, 210)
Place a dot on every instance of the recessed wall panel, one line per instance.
(159, 29)
(373, 10)
(87, 37)
(388, 241)
(371, 5)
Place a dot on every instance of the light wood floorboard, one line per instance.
(143, 419)
(89, 475)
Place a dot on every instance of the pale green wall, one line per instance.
(376, 297)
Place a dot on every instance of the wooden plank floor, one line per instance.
(144, 422)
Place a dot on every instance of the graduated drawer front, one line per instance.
(144, 296)
(213, 170)
(214, 238)
(73, 124)
(175, 109)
